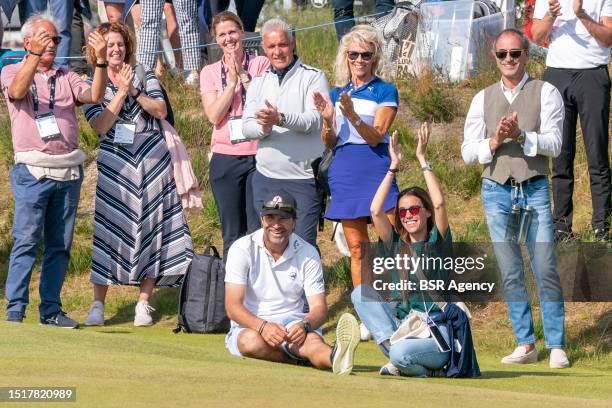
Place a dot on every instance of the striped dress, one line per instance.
(139, 227)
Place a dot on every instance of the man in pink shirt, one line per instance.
(41, 97)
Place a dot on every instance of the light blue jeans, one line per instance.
(413, 357)
(497, 200)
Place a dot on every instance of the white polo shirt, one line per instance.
(571, 45)
(274, 288)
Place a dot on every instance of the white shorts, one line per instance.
(288, 320)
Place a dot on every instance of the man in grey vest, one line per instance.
(513, 127)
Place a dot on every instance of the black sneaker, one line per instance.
(601, 234)
(15, 317)
(562, 236)
(60, 320)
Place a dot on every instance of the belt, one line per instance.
(512, 181)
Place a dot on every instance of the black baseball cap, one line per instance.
(279, 203)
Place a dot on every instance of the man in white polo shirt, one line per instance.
(579, 33)
(268, 276)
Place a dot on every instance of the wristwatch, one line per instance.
(427, 166)
(521, 138)
(551, 14)
(282, 121)
(307, 326)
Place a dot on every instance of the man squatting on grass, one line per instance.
(513, 127)
(268, 274)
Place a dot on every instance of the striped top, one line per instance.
(131, 110)
(366, 101)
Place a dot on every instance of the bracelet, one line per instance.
(393, 170)
(261, 326)
(33, 53)
(104, 65)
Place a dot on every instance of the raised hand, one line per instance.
(395, 151)
(324, 106)
(554, 7)
(233, 72)
(98, 43)
(126, 74)
(577, 6)
(423, 135)
(40, 41)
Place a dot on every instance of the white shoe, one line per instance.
(389, 369)
(521, 356)
(347, 339)
(95, 317)
(192, 79)
(365, 334)
(143, 314)
(558, 359)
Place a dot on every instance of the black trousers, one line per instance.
(586, 94)
(247, 10)
(230, 181)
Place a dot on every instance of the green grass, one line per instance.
(120, 366)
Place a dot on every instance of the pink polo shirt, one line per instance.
(68, 85)
(210, 82)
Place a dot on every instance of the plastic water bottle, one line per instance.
(525, 224)
(514, 220)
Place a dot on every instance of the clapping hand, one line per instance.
(232, 71)
(324, 106)
(126, 74)
(98, 43)
(346, 106)
(554, 8)
(395, 151)
(423, 136)
(267, 117)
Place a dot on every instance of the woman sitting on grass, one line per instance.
(420, 217)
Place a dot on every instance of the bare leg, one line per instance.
(251, 344)
(100, 292)
(356, 232)
(315, 350)
(146, 289)
(173, 34)
(113, 12)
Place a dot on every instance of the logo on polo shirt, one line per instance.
(293, 275)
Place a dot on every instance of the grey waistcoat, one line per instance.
(509, 159)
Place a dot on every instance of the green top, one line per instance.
(437, 247)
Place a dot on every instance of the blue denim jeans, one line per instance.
(62, 11)
(497, 200)
(413, 357)
(343, 14)
(40, 205)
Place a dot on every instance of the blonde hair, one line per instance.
(364, 35)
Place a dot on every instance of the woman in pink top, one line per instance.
(223, 86)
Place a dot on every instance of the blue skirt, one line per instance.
(354, 176)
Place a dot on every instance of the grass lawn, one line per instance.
(120, 366)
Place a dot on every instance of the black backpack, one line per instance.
(202, 296)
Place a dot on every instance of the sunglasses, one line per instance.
(414, 211)
(366, 56)
(272, 205)
(501, 54)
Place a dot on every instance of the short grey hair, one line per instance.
(521, 35)
(276, 24)
(28, 26)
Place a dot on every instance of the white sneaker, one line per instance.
(347, 339)
(521, 356)
(558, 359)
(95, 317)
(389, 369)
(365, 334)
(143, 314)
(192, 79)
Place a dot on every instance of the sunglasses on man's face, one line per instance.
(413, 210)
(366, 56)
(501, 54)
(271, 205)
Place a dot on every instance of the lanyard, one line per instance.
(51, 95)
(224, 80)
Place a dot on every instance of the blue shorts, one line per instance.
(288, 320)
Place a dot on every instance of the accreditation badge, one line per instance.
(47, 126)
(235, 130)
(124, 133)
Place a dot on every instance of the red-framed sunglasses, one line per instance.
(413, 210)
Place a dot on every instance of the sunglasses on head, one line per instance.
(413, 210)
(366, 56)
(501, 54)
(272, 205)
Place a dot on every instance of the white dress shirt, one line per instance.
(547, 141)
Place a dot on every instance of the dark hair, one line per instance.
(427, 203)
(225, 16)
(115, 27)
(518, 33)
